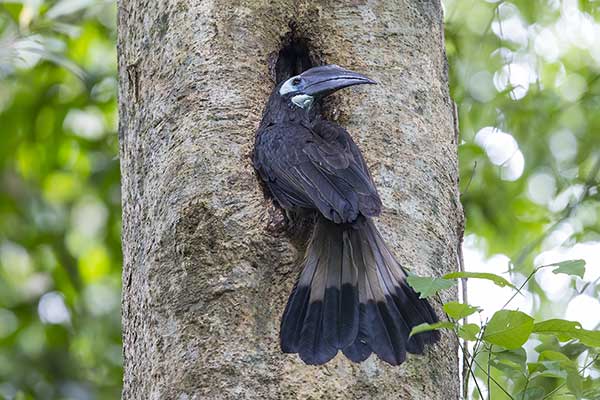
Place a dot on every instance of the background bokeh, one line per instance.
(525, 77)
(60, 258)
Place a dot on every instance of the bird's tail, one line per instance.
(352, 296)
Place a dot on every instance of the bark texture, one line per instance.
(204, 281)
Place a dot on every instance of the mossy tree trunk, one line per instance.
(204, 281)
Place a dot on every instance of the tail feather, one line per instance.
(360, 349)
(396, 297)
(414, 310)
(352, 296)
(297, 307)
(340, 324)
(313, 348)
(384, 323)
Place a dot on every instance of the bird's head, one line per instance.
(302, 90)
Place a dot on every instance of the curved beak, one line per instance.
(324, 80)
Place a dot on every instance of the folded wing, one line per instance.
(320, 168)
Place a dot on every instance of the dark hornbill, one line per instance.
(352, 294)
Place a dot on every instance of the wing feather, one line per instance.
(318, 168)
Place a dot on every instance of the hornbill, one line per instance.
(352, 294)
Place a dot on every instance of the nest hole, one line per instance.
(293, 58)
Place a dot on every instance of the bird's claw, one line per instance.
(277, 222)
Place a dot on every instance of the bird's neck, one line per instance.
(280, 110)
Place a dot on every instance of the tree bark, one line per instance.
(204, 281)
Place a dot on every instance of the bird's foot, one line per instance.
(277, 222)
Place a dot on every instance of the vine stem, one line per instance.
(536, 269)
(489, 374)
(493, 380)
(470, 365)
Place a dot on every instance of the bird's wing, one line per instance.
(318, 168)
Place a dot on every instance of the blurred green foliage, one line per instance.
(525, 77)
(530, 69)
(60, 257)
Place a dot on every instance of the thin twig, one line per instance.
(470, 178)
(465, 351)
(520, 287)
(493, 380)
(477, 345)
(489, 362)
(466, 356)
(473, 357)
(463, 288)
(525, 389)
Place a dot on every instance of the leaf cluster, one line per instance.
(497, 348)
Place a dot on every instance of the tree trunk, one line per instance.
(204, 281)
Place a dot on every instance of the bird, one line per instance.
(352, 294)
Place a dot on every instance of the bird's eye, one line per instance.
(296, 81)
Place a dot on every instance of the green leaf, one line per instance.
(552, 364)
(428, 286)
(549, 355)
(459, 310)
(509, 329)
(555, 360)
(532, 393)
(468, 331)
(573, 349)
(550, 344)
(565, 330)
(510, 361)
(574, 383)
(591, 388)
(570, 267)
(550, 373)
(425, 327)
(497, 279)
